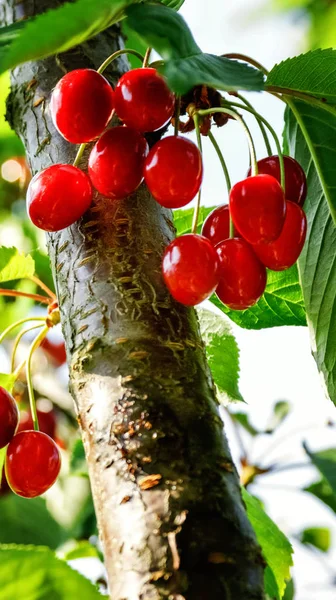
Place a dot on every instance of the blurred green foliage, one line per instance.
(321, 15)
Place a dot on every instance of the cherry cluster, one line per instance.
(81, 106)
(269, 231)
(33, 460)
(268, 225)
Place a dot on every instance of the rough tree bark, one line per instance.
(166, 492)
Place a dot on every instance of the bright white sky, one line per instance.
(275, 364)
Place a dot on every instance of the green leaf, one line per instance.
(14, 265)
(312, 73)
(325, 462)
(28, 522)
(311, 139)
(185, 65)
(319, 537)
(281, 410)
(133, 41)
(290, 591)
(82, 549)
(60, 29)
(323, 491)
(34, 573)
(183, 218)
(222, 353)
(281, 304)
(2, 460)
(243, 420)
(276, 548)
(7, 381)
(78, 464)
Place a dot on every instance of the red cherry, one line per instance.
(58, 196)
(216, 226)
(81, 105)
(242, 276)
(56, 351)
(295, 178)
(9, 417)
(285, 251)
(173, 171)
(190, 269)
(46, 419)
(32, 463)
(116, 162)
(143, 100)
(258, 208)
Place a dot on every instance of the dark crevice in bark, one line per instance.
(166, 493)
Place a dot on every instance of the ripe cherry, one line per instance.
(32, 463)
(143, 100)
(81, 105)
(58, 196)
(216, 226)
(258, 208)
(173, 171)
(190, 269)
(295, 178)
(242, 276)
(116, 162)
(9, 417)
(54, 350)
(285, 251)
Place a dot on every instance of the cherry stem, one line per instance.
(198, 201)
(274, 135)
(147, 57)
(260, 123)
(17, 341)
(247, 59)
(43, 286)
(17, 293)
(177, 115)
(225, 171)
(17, 324)
(235, 115)
(79, 154)
(118, 53)
(37, 341)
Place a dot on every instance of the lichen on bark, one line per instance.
(166, 493)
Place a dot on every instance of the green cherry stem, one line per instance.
(247, 59)
(236, 115)
(274, 135)
(17, 324)
(147, 57)
(37, 341)
(222, 160)
(225, 171)
(115, 55)
(18, 340)
(199, 195)
(260, 123)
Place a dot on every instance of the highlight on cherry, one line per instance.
(262, 227)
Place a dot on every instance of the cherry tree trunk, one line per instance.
(166, 493)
